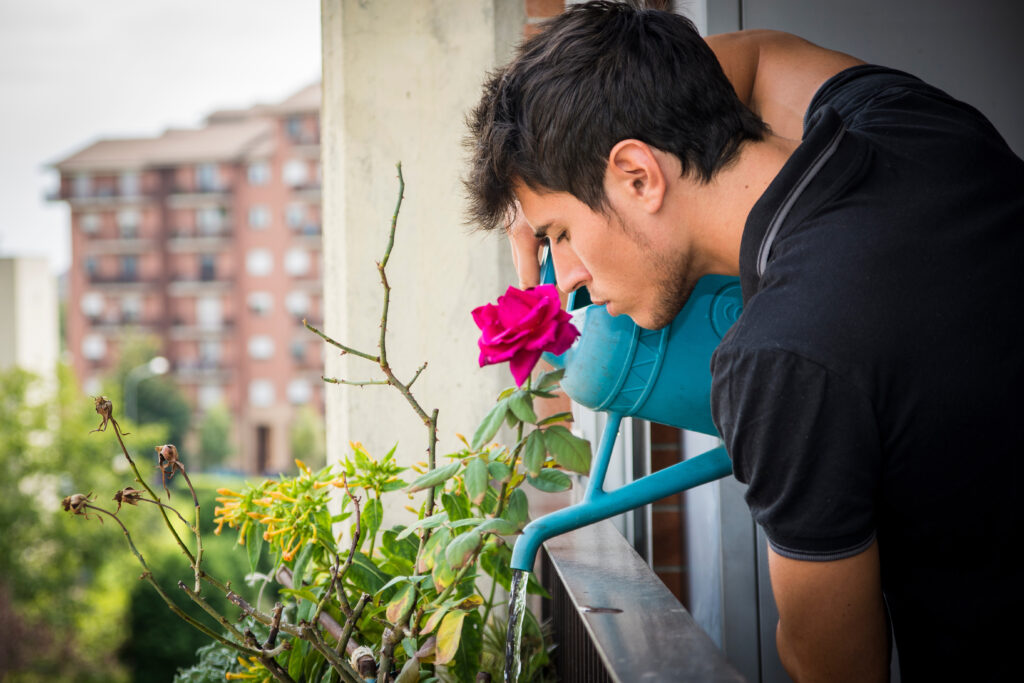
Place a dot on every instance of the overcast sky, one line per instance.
(72, 72)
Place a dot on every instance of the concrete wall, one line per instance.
(398, 80)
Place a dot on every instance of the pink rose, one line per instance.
(522, 326)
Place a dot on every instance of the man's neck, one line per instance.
(717, 211)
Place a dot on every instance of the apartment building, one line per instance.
(209, 240)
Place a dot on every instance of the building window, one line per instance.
(81, 185)
(90, 223)
(92, 304)
(94, 347)
(259, 262)
(129, 184)
(297, 350)
(295, 215)
(207, 178)
(209, 353)
(131, 308)
(208, 312)
(297, 303)
(207, 267)
(259, 217)
(296, 262)
(92, 267)
(128, 223)
(258, 173)
(210, 220)
(261, 393)
(129, 268)
(261, 347)
(293, 127)
(209, 395)
(300, 391)
(295, 173)
(260, 303)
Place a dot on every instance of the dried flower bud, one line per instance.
(106, 410)
(76, 503)
(168, 454)
(127, 495)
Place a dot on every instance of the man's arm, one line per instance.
(832, 624)
(776, 74)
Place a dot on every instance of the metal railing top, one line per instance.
(634, 623)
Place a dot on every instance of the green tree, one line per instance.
(307, 437)
(157, 399)
(215, 445)
(63, 594)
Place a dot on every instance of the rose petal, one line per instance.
(522, 364)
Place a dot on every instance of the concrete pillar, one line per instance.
(399, 78)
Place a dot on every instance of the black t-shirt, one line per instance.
(872, 388)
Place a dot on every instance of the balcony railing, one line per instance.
(615, 621)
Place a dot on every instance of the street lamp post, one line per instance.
(156, 366)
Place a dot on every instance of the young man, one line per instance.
(869, 393)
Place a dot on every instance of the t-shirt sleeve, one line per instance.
(806, 443)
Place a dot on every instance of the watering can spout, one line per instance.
(598, 504)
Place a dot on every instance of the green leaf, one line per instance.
(477, 479)
(442, 574)
(534, 586)
(499, 471)
(468, 521)
(434, 619)
(499, 526)
(490, 425)
(253, 547)
(410, 647)
(303, 593)
(456, 506)
(569, 451)
(297, 659)
(301, 562)
(557, 417)
(550, 378)
(433, 549)
(449, 633)
(496, 560)
(460, 550)
(471, 646)
(522, 405)
(534, 453)
(425, 523)
(370, 519)
(435, 477)
(399, 548)
(400, 603)
(365, 575)
(550, 480)
(517, 509)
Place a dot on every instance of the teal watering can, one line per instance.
(659, 375)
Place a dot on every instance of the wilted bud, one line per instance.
(168, 454)
(106, 410)
(127, 495)
(76, 503)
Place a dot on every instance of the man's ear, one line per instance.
(635, 175)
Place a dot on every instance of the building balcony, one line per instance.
(309, 191)
(122, 281)
(192, 284)
(190, 330)
(185, 197)
(102, 196)
(192, 240)
(199, 370)
(113, 324)
(118, 245)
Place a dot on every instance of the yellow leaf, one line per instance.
(398, 606)
(448, 636)
(433, 619)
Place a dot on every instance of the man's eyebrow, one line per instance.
(541, 232)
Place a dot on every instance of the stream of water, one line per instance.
(516, 613)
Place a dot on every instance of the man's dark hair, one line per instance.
(597, 74)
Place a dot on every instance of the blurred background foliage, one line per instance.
(71, 605)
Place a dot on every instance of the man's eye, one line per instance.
(562, 236)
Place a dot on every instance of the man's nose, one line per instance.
(570, 272)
